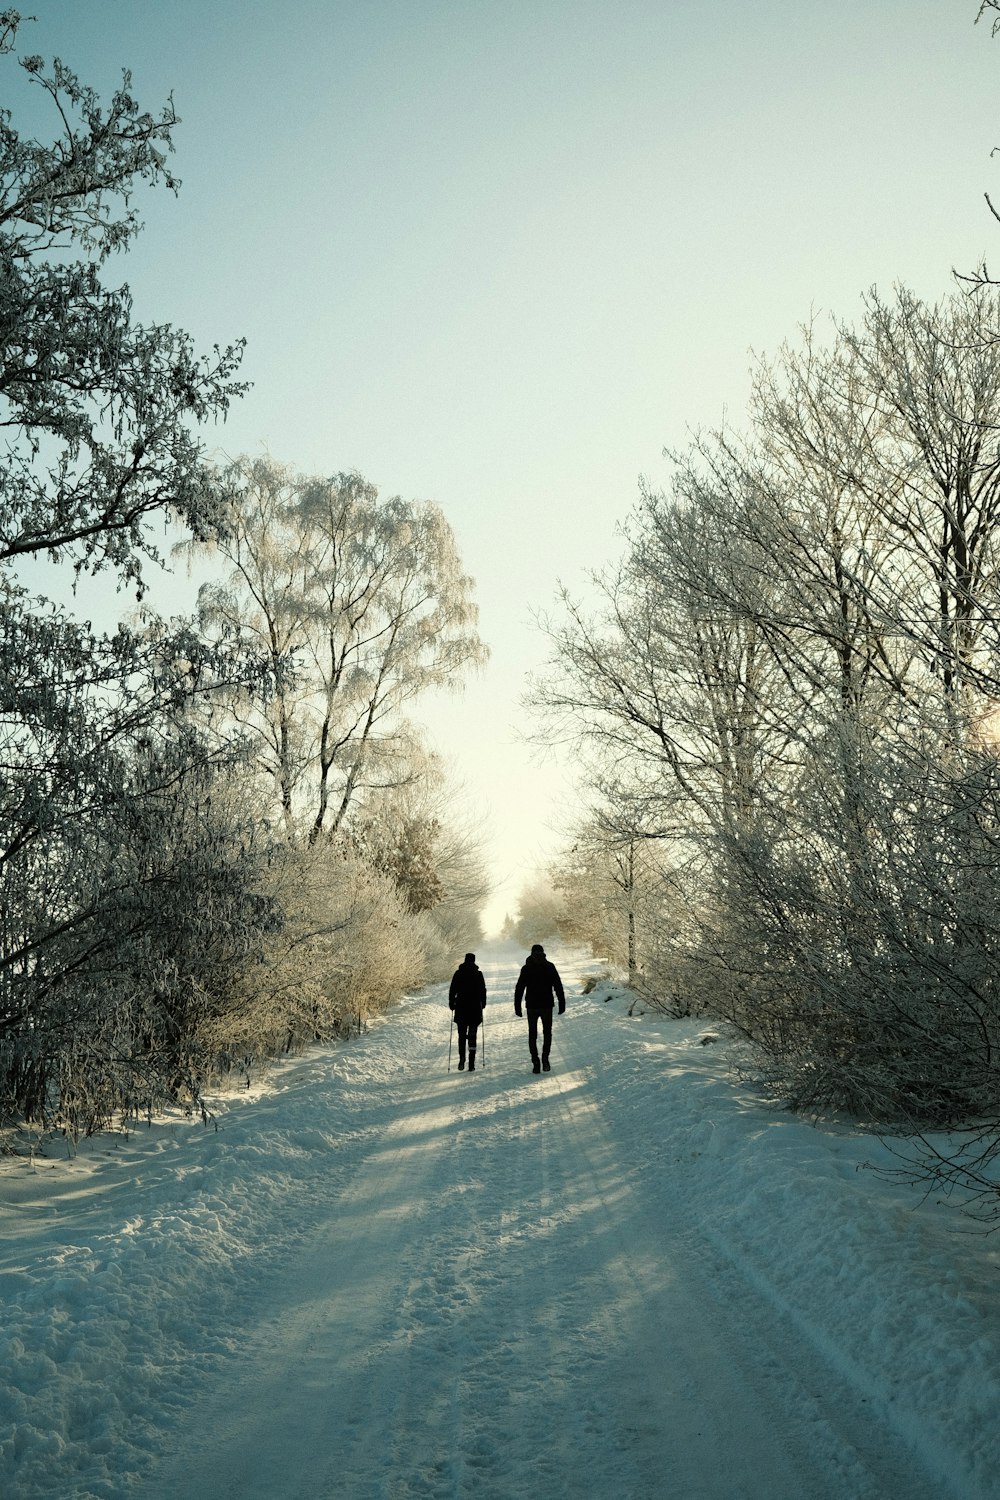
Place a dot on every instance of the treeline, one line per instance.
(791, 695)
(218, 838)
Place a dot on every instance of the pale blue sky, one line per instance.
(499, 255)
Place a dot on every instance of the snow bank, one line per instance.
(895, 1289)
(126, 1270)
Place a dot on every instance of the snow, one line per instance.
(373, 1277)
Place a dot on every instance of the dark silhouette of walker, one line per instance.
(540, 986)
(467, 1000)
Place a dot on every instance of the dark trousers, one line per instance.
(467, 1027)
(534, 1016)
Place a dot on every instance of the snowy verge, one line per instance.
(127, 1269)
(894, 1288)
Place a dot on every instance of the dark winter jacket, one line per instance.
(467, 992)
(540, 985)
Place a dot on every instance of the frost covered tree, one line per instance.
(97, 409)
(98, 414)
(791, 686)
(622, 902)
(540, 911)
(356, 604)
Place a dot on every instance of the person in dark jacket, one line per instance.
(540, 986)
(467, 998)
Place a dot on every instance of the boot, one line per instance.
(461, 1064)
(536, 1066)
(472, 1062)
(545, 1064)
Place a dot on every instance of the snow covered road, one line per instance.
(620, 1279)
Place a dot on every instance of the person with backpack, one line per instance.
(467, 998)
(540, 986)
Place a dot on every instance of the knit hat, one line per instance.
(470, 958)
(537, 948)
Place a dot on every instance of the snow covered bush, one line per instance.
(347, 947)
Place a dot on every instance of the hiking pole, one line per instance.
(451, 1029)
(484, 1036)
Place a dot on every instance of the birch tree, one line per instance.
(357, 604)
